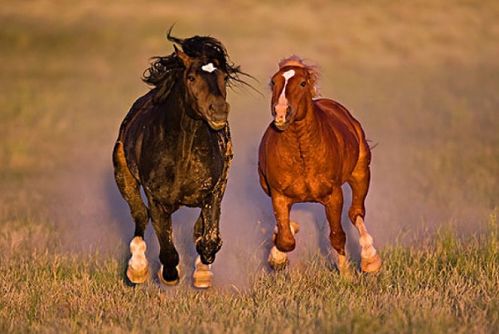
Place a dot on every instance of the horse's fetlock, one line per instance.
(207, 248)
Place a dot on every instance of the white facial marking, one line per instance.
(208, 67)
(282, 103)
(286, 75)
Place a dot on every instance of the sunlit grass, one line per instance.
(448, 285)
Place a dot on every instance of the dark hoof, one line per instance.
(169, 279)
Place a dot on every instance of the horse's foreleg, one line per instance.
(208, 242)
(334, 205)
(359, 182)
(168, 256)
(284, 239)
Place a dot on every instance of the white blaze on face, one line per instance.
(208, 67)
(282, 103)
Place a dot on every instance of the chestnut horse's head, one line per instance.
(293, 86)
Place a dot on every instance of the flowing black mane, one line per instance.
(164, 71)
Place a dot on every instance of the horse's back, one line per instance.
(344, 123)
(337, 113)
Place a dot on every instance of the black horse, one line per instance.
(175, 143)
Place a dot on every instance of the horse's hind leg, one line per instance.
(334, 205)
(137, 271)
(168, 256)
(359, 182)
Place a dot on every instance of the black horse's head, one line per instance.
(204, 68)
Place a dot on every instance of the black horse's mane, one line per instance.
(164, 71)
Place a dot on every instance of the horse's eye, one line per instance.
(226, 78)
(190, 77)
(272, 83)
(303, 83)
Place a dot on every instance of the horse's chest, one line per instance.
(186, 173)
(303, 176)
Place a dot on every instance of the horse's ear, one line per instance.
(183, 56)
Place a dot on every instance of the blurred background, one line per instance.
(421, 76)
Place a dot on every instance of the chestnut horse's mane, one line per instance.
(313, 73)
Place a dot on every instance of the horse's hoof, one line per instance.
(165, 282)
(202, 276)
(137, 276)
(277, 260)
(371, 265)
(344, 267)
(138, 267)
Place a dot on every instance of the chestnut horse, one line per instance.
(312, 147)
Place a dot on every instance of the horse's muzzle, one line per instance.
(281, 116)
(217, 115)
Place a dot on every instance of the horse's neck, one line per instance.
(306, 131)
(178, 115)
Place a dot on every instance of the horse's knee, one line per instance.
(207, 247)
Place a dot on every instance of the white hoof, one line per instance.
(277, 260)
(202, 276)
(138, 267)
(371, 265)
(344, 267)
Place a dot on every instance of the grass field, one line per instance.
(421, 76)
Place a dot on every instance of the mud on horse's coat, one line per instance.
(175, 144)
(311, 148)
